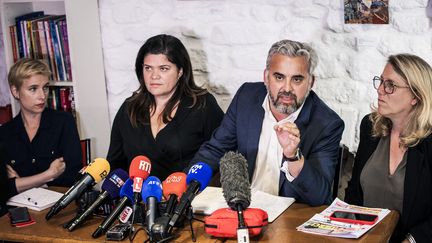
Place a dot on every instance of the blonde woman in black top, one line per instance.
(42, 146)
(393, 165)
(169, 116)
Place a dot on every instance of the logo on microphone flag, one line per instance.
(194, 169)
(116, 180)
(145, 166)
(125, 214)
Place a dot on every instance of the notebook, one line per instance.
(212, 198)
(36, 199)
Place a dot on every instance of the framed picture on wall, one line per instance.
(366, 11)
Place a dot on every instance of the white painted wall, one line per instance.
(228, 42)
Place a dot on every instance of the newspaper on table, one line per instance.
(321, 224)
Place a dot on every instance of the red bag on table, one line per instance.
(224, 222)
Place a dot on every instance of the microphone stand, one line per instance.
(134, 208)
(161, 232)
(189, 216)
(242, 230)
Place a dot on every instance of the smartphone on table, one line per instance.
(354, 218)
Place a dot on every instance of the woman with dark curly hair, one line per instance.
(169, 116)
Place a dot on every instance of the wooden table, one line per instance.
(283, 229)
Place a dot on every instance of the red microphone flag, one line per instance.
(139, 170)
(174, 184)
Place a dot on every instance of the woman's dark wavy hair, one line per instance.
(142, 101)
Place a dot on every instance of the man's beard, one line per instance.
(286, 108)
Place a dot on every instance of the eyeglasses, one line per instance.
(389, 86)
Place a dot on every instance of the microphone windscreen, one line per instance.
(152, 187)
(98, 169)
(174, 184)
(234, 179)
(127, 191)
(140, 167)
(114, 182)
(200, 172)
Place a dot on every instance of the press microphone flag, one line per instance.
(95, 172)
(110, 188)
(234, 179)
(139, 170)
(198, 178)
(151, 195)
(126, 195)
(173, 187)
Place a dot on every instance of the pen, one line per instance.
(32, 201)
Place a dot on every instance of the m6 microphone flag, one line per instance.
(198, 178)
(151, 195)
(139, 170)
(110, 187)
(173, 187)
(95, 172)
(234, 179)
(126, 194)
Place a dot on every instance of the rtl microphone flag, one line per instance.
(110, 188)
(126, 194)
(151, 195)
(198, 178)
(139, 170)
(236, 188)
(173, 187)
(95, 172)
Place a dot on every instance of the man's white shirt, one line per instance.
(269, 155)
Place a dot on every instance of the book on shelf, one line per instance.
(43, 37)
(61, 98)
(58, 55)
(13, 34)
(21, 31)
(65, 47)
(65, 101)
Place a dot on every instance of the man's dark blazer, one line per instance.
(320, 130)
(416, 217)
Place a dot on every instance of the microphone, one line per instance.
(151, 194)
(126, 194)
(139, 170)
(234, 179)
(110, 187)
(198, 178)
(95, 172)
(173, 187)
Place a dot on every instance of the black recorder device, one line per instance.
(118, 232)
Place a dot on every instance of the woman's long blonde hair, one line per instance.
(418, 75)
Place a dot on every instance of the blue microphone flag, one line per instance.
(200, 172)
(127, 191)
(114, 182)
(152, 187)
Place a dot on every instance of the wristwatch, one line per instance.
(297, 156)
